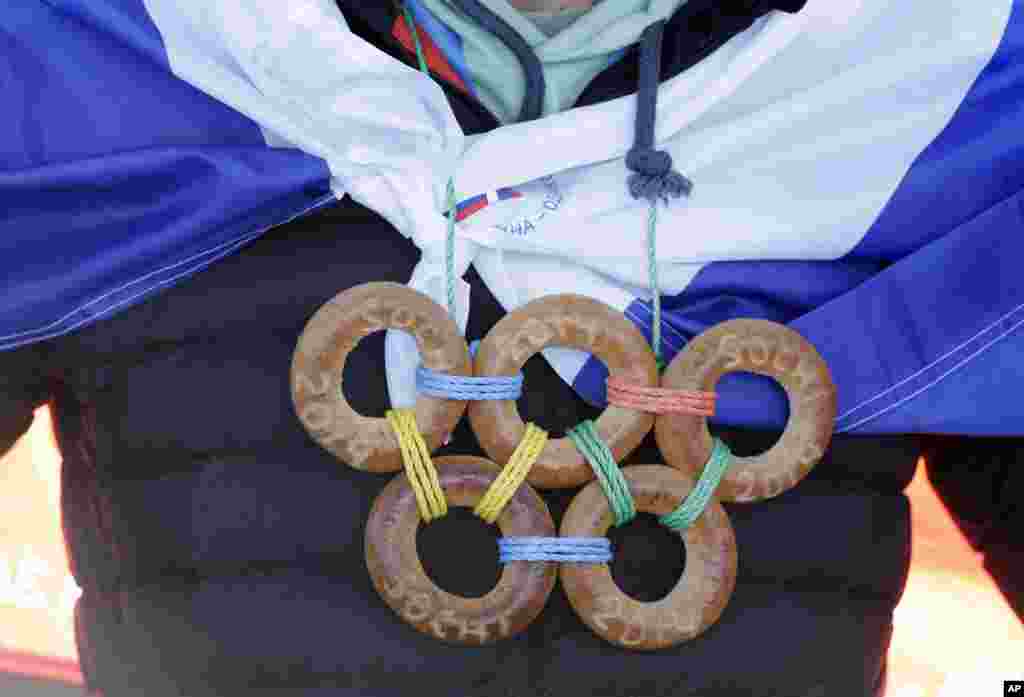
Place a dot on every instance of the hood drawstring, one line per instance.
(533, 71)
(653, 176)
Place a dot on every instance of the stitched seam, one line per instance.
(942, 376)
(205, 258)
(926, 368)
(961, 223)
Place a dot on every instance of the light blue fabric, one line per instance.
(570, 59)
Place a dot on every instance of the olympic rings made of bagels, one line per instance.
(578, 322)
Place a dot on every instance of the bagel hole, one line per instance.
(649, 559)
(364, 383)
(548, 401)
(767, 394)
(459, 552)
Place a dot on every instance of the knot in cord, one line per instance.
(653, 177)
(649, 162)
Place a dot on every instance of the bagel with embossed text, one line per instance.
(765, 348)
(571, 321)
(698, 598)
(318, 365)
(399, 577)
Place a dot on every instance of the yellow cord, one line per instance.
(513, 474)
(419, 468)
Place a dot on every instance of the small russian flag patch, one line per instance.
(473, 205)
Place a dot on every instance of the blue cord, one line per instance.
(462, 388)
(567, 550)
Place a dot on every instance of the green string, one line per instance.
(652, 270)
(411, 21)
(449, 249)
(588, 441)
(692, 508)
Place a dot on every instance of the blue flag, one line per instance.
(860, 179)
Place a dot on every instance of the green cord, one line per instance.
(449, 260)
(449, 250)
(652, 269)
(692, 508)
(411, 21)
(450, 241)
(616, 489)
(585, 436)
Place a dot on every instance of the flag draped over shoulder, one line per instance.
(144, 140)
(118, 178)
(858, 172)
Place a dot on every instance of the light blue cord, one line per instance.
(467, 388)
(429, 382)
(461, 388)
(566, 550)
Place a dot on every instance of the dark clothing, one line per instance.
(980, 480)
(221, 552)
(220, 549)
